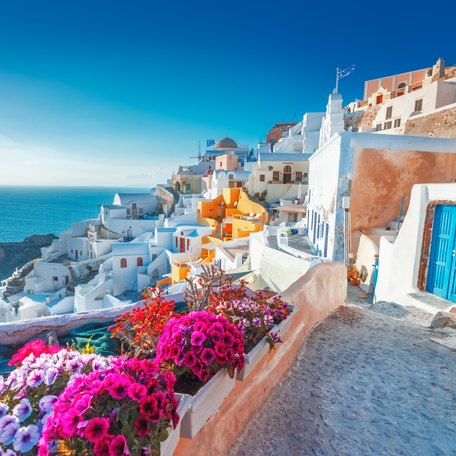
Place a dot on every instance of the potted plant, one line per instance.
(262, 321)
(353, 275)
(140, 328)
(128, 408)
(29, 393)
(204, 351)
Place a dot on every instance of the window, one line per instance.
(230, 184)
(188, 187)
(397, 123)
(298, 176)
(238, 184)
(141, 210)
(387, 125)
(123, 262)
(72, 251)
(231, 176)
(188, 244)
(139, 261)
(55, 278)
(177, 241)
(419, 105)
(378, 127)
(67, 280)
(128, 211)
(275, 176)
(306, 179)
(221, 164)
(389, 112)
(261, 177)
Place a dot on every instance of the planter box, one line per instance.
(169, 445)
(206, 402)
(254, 356)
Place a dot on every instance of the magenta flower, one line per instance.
(137, 392)
(96, 429)
(197, 338)
(119, 388)
(118, 446)
(207, 356)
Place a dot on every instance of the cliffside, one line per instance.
(16, 254)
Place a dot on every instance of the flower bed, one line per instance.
(60, 401)
(254, 356)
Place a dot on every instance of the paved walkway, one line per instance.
(368, 382)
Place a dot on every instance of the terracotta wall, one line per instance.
(316, 294)
(382, 177)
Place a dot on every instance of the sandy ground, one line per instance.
(369, 381)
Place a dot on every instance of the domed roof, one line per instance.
(226, 143)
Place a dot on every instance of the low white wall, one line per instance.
(399, 260)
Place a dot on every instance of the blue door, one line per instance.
(442, 264)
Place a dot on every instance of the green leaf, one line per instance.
(162, 435)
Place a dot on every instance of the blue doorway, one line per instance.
(442, 262)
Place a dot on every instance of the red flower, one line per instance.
(101, 447)
(149, 407)
(96, 429)
(142, 426)
(207, 356)
(118, 447)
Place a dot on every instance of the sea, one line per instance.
(25, 211)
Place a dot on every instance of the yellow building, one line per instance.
(232, 214)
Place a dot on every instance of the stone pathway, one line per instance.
(369, 381)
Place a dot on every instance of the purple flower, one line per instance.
(26, 438)
(197, 338)
(51, 375)
(47, 403)
(256, 322)
(35, 378)
(23, 410)
(3, 409)
(8, 432)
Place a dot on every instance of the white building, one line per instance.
(420, 260)
(46, 278)
(303, 137)
(360, 182)
(215, 183)
(273, 175)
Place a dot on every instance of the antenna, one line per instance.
(199, 157)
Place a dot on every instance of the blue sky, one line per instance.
(120, 93)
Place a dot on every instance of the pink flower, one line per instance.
(96, 429)
(101, 447)
(118, 446)
(137, 392)
(220, 349)
(197, 338)
(207, 356)
(228, 339)
(119, 388)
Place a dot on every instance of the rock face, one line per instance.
(15, 254)
(444, 320)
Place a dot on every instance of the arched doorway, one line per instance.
(177, 187)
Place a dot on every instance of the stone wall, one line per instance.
(440, 124)
(361, 119)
